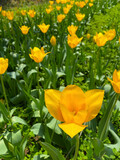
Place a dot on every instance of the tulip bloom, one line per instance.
(88, 36)
(72, 29)
(80, 16)
(43, 27)
(73, 107)
(23, 12)
(10, 15)
(66, 10)
(100, 39)
(31, 13)
(90, 4)
(24, 29)
(0, 8)
(110, 34)
(38, 54)
(116, 81)
(60, 17)
(53, 40)
(82, 4)
(3, 13)
(3, 65)
(58, 8)
(73, 40)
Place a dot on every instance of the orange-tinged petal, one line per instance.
(116, 85)
(94, 99)
(71, 128)
(115, 77)
(72, 98)
(67, 115)
(52, 99)
(80, 117)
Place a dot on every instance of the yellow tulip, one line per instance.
(82, 4)
(58, 8)
(24, 29)
(86, 1)
(72, 29)
(10, 15)
(79, 16)
(23, 12)
(119, 39)
(90, 4)
(31, 13)
(3, 65)
(48, 10)
(88, 36)
(73, 107)
(116, 81)
(0, 8)
(73, 40)
(60, 17)
(66, 10)
(100, 39)
(3, 13)
(110, 34)
(43, 27)
(51, 2)
(53, 40)
(38, 54)
(57, 1)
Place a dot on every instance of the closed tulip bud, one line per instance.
(53, 40)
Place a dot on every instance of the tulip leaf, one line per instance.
(54, 153)
(41, 157)
(38, 129)
(4, 111)
(104, 123)
(16, 119)
(3, 148)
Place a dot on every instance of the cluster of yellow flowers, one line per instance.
(101, 39)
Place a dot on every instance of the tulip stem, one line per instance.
(77, 147)
(3, 87)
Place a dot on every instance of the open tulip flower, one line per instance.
(110, 34)
(73, 40)
(43, 27)
(73, 107)
(10, 15)
(100, 39)
(3, 65)
(116, 81)
(24, 29)
(38, 54)
(72, 29)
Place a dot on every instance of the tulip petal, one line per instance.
(115, 77)
(71, 128)
(80, 117)
(73, 98)
(94, 101)
(116, 86)
(52, 99)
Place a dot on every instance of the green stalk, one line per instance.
(3, 87)
(77, 147)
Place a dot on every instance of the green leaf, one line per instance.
(38, 129)
(41, 157)
(98, 148)
(14, 137)
(16, 119)
(4, 111)
(54, 153)
(3, 148)
(31, 72)
(116, 139)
